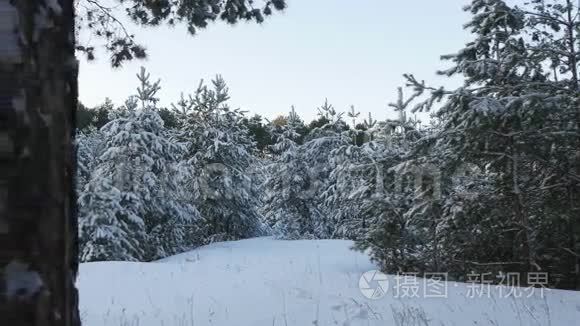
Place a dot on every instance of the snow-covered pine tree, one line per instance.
(108, 225)
(351, 178)
(516, 119)
(287, 133)
(375, 196)
(358, 174)
(318, 150)
(553, 29)
(368, 126)
(279, 125)
(356, 133)
(89, 147)
(131, 209)
(219, 148)
(289, 209)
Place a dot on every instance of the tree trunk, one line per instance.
(521, 218)
(575, 87)
(38, 94)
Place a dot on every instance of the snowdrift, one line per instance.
(271, 282)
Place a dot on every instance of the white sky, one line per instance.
(352, 52)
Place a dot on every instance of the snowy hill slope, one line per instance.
(270, 282)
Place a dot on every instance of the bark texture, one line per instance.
(38, 98)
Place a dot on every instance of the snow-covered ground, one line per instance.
(291, 283)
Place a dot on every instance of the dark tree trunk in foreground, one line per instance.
(38, 91)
